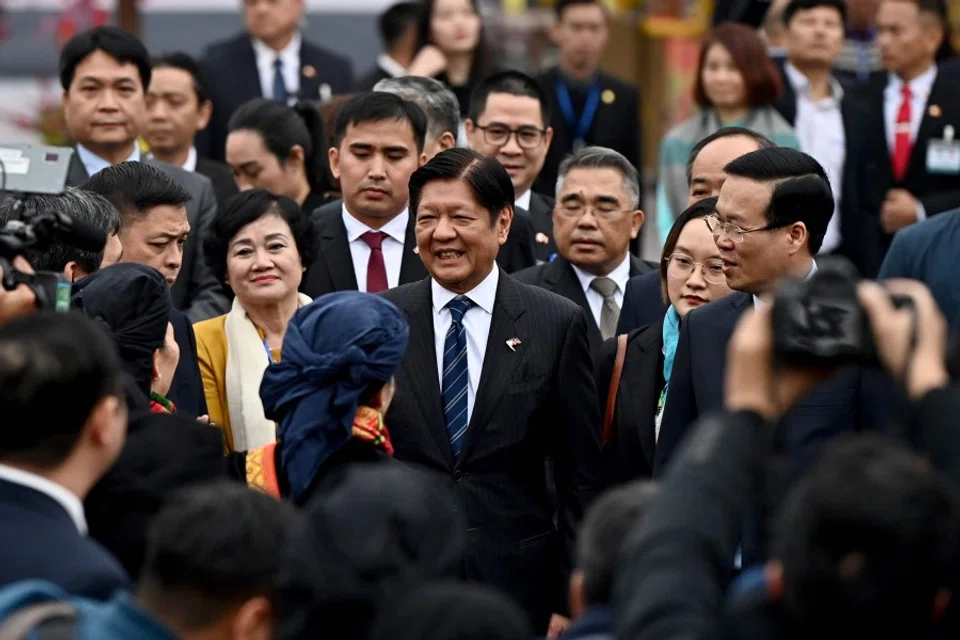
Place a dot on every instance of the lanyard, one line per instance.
(266, 348)
(586, 118)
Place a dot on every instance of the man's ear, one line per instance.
(334, 156)
(447, 140)
(204, 113)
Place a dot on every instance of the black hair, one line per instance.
(210, 549)
(486, 177)
(134, 188)
(249, 206)
(54, 369)
(699, 209)
(763, 142)
(396, 20)
(805, 5)
(119, 44)
(802, 192)
(514, 83)
(186, 62)
(560, 6)
(78, 204)
(602, 534)
(282, 128)
(481, 64)
(377, 106)
(867, 538)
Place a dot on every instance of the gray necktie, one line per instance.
(610, 313)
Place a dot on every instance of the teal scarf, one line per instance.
(671, 336)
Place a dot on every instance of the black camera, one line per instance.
(819, 321)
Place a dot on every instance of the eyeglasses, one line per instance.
(499, 135)
(681, 266)
(604, 211)
(718, 227)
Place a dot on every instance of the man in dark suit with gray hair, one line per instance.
(497, 378)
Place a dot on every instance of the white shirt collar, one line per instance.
(919, 87)
(94, 164)
(523, 200)
(483, 295)
(801, 84)
(390, 66)
(190, 164)
(289, 52)
(757, 303)
(620, 275)
(70, 503)
(396, 228)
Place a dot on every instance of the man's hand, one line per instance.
(204, 419)
(558, 624)
(920, 367)
(750, 381)
(20, 301)
(899, 210)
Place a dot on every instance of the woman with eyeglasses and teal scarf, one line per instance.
(691, 275)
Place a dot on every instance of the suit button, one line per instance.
(457, 475)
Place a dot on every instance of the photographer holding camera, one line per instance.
(22, 300)
(866, 542)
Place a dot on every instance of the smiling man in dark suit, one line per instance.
(497, 378)
(596, 216)
(271, 59)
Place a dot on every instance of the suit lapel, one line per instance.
(411, 266)
(559, 277)
(651, 341)
(76, 173)
(638, 267)
(247, 85)
(500, 362)
(309, 76)
(930, 127)
(335, 249)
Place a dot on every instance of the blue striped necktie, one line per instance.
(455, 376)
(280, 93)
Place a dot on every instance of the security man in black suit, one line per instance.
(398, 32)
(588, 106)
(271, 59)
(596, 216)
(497, 377)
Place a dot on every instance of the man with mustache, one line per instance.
(367, 242)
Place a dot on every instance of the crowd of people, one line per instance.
(380, 358)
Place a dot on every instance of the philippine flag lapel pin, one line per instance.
(513, 343)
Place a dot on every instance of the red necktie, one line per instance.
(901, 137)
(376, 269)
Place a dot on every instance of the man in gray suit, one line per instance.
(104, 73)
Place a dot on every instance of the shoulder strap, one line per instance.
(614, 386)
(50, 621)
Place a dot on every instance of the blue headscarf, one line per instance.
(334, 348)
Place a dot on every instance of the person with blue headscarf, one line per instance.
(328, 393)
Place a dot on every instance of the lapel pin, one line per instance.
(608, 96)
(309, 71)
(325, 92)
(935, 111)
(416, 251)
(542, 238)
(513, 343)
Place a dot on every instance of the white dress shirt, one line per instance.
(289, 56)
(94, 164)
(619, 275)
(476, 323)
(392, 246)
(919, 93)
(523, 200)
(819, 129)
(190, 164)
(390, 66)
(70, 503)
(758, 303)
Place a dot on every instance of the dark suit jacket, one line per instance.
(628, 454)
(937, 191)
(196, 291)
(541, 215)
(927, 251)
(534, 402)
(859, 232)
(642, 302)
(39, 540)
(616, 126)
(221, 176)
(367, 81)
(186, 391)
(232, 68)
(559, 277)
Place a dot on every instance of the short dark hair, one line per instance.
(119, 44)
(867, 538)
(763, 142)
(134, 188)
(805, 5)
(396, 20)
(249, 206)
(761, 80)
(699, 209)
(186, 62)
(514, 83)
(196, 569)
(83, 206)
(377, 106)
(562, 5)
(486, 177)
(54, 369)
(802, 192)
(438, 102)
(283, 127)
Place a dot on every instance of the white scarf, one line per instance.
(246, 361)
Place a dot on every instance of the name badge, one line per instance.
(943, 156)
